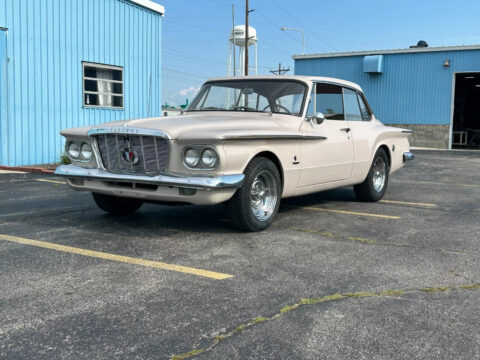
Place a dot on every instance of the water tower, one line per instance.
(236, 51)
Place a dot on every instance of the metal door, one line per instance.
(3, 95)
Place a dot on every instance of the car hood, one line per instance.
(208, 125)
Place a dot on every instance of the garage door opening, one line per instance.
(466, 112)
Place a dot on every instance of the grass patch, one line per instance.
(437, 289)
(470, 287)
(392, 292)
(64, 159)
(189, 354)
(260, 319)
(287, 308)
(240, 327)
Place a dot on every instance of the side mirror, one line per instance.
(318, 118)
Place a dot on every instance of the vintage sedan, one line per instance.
(243, 141)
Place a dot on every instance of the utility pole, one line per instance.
(280, 71)
(247, 38)
(234, 45)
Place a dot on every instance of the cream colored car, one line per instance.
(246, 141)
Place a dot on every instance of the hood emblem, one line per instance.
(129, 155)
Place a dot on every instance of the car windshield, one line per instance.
(275, 96)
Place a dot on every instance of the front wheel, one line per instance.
(255, 204)
(375, 185)
(116, 205)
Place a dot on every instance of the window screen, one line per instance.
(352, 110)
(329, 101)
(102, 86)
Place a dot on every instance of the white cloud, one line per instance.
(192, 90)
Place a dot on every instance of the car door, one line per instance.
(358, 116)
(330, 159)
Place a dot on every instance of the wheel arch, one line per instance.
(273, 158)
(387, 151)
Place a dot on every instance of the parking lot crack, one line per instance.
(315, 301)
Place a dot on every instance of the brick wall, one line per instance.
(430, 136)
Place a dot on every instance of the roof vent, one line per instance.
(420, 44)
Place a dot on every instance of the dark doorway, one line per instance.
(466, 112)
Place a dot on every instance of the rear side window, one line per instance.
(352, 109)
(366, 115)
(329, 101)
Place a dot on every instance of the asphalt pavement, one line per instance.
(333, 278)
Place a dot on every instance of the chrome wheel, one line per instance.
(263, 195)
(379, 174)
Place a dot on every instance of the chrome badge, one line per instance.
(129, 155)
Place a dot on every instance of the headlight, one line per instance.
(192, 157)
(209, 158)
(86, 151)
(73, 150)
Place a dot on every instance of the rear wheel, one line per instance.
(255, 204)
(375, 185)
(116, 205)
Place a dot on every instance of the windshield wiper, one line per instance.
(210, 108)
(246, 108)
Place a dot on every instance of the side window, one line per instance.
(329, 101)
(352, 110)
(366, 115)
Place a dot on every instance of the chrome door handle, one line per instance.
(345, 129)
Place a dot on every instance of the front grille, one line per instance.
(149, 154)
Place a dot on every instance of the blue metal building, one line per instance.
(70, 63)
(433, 91)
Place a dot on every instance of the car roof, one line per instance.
(292, 77)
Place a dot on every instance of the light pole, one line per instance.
(283, 28)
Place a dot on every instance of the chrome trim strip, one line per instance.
(407, 156)
(96, 152)
(273, 137)
(128, 131)
(195, 182)
(407, 131)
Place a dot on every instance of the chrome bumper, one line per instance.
(194, 182)
(407, 156)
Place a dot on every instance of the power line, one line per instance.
(276, 26)
(303, 23)
(193, 26)
(189, 58)
(182, 72)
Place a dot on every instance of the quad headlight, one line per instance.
(209, 158)
(79, 150)
(192, 157)
(200, 158)
(73, 150)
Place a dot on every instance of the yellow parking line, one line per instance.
(51, 181)
(124, 259)
(350, 212)
(407, 203)
(435, 183)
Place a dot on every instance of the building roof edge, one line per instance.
(148, 4)
(386, 52)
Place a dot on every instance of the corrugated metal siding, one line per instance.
(3, 87)
(46, 44)
(415, 88)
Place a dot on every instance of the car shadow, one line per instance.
(164, 220)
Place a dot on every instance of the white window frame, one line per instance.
(102, 67)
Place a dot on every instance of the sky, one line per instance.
(195, 32)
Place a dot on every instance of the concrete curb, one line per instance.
(29, 169)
